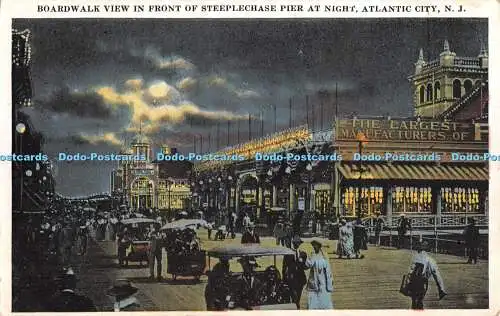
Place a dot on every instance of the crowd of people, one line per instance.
(226, 290)
(47, 244)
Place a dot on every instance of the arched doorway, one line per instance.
(142, 193)
(457, 89)
(248, 195)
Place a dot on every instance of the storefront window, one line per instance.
(322, 201)
(460, 200)
(371, 201)
(412, 200)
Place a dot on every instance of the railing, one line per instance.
(431, 64)
(466, 61)
(436, 230)
(440, 221)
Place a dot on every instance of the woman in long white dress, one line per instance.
(320, 282)
(345, 246)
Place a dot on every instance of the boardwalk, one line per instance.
(370, 283)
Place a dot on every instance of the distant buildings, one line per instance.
(151, 184)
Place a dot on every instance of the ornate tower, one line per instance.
(438, 84)
(141, 146)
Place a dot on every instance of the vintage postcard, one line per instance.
(230, 156)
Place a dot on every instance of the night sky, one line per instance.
(97, 82)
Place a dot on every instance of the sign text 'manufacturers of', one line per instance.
(410, 130)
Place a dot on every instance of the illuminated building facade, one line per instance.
(451, 104)
(147, 184)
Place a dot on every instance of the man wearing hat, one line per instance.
(67, 237)
(320, 281)
(471, 236)
(250, 236)
(217, 288)
(67, 300)
(124, 242)
(403, 226)
(155, 254)
(294, 271)
(360, 238)
(421, 269)
(379, 226)
(248, 284)
(123, 292)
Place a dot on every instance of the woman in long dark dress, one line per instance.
(360, 239)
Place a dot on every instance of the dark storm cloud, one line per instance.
(84, 104)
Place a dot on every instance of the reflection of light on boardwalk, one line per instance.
(370, 283)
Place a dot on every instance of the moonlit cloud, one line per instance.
(186, 84)
(134, 84)
(161, 91)
(216, 81)
(107, 138)
(156, 105)
(153, 55)
(173, 63)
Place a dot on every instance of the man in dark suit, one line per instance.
(155, 254)
(404, 224)
(67, 300)
(471, 236)
(250, 236)
(294, 271)
(218, 286)
(248, 285)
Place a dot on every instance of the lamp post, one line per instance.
(228, 191)
(200, 197)
(274, 109)
(21, 129)
(209, 194)
(291, 195)
(169, 188)
(308, 202)
(217, 194)
(361, 138)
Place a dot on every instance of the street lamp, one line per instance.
(228, 193)
(21, 129)
(362, 140)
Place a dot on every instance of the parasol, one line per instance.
(184, 223)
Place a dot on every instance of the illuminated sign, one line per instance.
(410, 130)
(277, 142)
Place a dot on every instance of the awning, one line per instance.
(398, 171)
